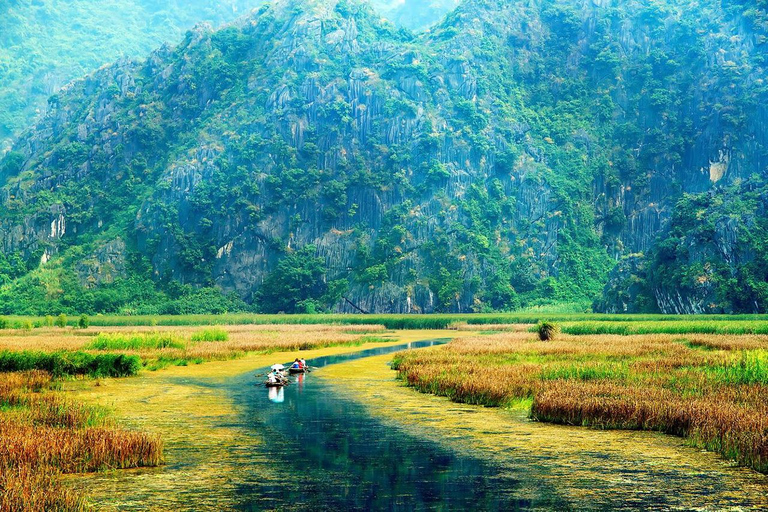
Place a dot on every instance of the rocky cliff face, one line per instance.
(510, 155)
(44, 44)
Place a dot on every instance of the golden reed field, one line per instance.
(710, 389)
(44, 434)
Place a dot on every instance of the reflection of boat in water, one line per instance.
(277, 395)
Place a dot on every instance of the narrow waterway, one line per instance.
(341, 458)
(349, 437)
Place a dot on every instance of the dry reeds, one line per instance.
(76, 450)
(43, 434)
(25, 488)
(709, 389)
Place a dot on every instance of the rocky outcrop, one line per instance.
(104, 265)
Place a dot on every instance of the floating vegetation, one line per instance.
(714, 398)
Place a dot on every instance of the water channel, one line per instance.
(350, 461)
(346, 437)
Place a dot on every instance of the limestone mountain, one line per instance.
(315, 156)
(414, 14)
(45, 44)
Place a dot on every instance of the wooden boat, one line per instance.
(294, 371)
(277, 384)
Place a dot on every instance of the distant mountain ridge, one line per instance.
(45, 44)
(415, 14)
(313, 156)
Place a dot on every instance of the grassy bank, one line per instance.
(44, 435)
(123, 351)
(389, 321)
(709, 389)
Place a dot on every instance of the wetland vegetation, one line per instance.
(588, 323)
(44, 434)
(703, 379)
(709, 389)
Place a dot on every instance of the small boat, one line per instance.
(294, 371)
(277, 384)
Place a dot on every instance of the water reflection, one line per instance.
(340, 458)
(276, 395)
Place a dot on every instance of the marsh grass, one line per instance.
(435, 321)
(747, 367)
(137, 341)
(121, 351)
(709, 389)
(212, 334)
(43, 435)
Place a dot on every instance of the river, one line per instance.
(347, 437)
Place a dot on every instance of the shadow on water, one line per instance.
(340, 458)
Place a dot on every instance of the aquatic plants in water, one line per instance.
(714, 397)
(43, 435)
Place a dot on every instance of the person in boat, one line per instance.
(303, 363)
(272, 377)
(296, 364)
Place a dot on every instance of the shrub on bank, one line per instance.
(547, 330)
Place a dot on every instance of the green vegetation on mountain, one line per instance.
(314, 157)
(713, 255)
(45, 43)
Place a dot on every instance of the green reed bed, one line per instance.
(698, 326)
(73, 363)
(390, 321)
(137, 341)
(746, 367)
(213, 334)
